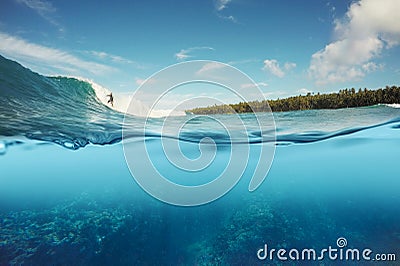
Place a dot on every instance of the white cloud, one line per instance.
(221, 4)
(289, 65)
(276, 94)
(114, 58)
(44, 8)
(244, 61)
(331, 10)
(368, 28)
(272, 65)
(209, 67)
(253, 85)
(371, 67)
(185, 53)
(304, 91)
(230, 18)
(40, 6)
(48, 59)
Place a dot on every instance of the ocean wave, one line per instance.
(123, 100)
(393, 105)
(69, 111)
(74, 112)
(62, 110)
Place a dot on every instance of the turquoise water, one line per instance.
(67, 196)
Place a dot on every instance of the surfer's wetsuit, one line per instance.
(111, 100)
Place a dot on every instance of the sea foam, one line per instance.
(122, 102)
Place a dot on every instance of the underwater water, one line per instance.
(67, 196)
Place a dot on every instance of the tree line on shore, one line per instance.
(343, 99)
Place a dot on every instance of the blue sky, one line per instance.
(288, 47)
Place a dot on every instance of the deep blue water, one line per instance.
(67, 196)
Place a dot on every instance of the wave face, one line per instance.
(73, 112)
(62, 110)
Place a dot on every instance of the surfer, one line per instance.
(111, 99)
